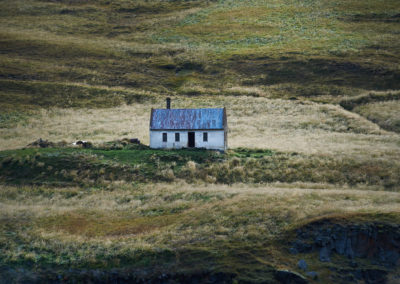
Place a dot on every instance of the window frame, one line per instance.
(165, 137)
(205, 136)
(177, 137)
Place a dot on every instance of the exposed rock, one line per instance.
(370, 276)
(377, 242)
(312, 274)
(374, 275)
(290, 277)
(302, 264)
(83, 144)
(325, 254)
(134, 140)
(129, 141)
(40, 143)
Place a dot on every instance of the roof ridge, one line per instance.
(188, 108)
(187, 118)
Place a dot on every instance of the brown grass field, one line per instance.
(311, 90)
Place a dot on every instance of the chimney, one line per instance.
(168, 103)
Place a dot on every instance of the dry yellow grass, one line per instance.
(386, 114)
(180, 214)
(282, 125)
(215, 52)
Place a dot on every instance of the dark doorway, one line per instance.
(191, 141)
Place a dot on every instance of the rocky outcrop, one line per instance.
(377, 243)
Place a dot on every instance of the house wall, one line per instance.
(215, 139)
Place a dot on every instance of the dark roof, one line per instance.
(184, 119)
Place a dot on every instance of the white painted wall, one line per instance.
(215, 139)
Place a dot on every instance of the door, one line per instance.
(191, 141)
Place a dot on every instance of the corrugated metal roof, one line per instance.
(180, 119)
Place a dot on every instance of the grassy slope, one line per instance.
(286, 48)
(95, 166)
(174, 227)
(386, 114)
(100, 208)
(82, 209)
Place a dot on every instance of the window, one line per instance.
(177, 137)
(205, 136)
(164, 137)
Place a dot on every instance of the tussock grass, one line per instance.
(293, 126)
(97, 227)
(318, 51)
(371, 97)
(91, 70)
(385, 114)
(103, 166)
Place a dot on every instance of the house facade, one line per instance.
(188, 128)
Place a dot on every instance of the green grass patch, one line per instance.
(93, 166)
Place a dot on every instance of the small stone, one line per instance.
(312, 274)
(302, 264)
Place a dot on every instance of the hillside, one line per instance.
(321, 50)
(308, 192)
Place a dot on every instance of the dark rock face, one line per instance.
(377, 242)
(325, 254)
(369, 276)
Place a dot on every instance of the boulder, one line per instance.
(302, 264)
(83, 144)
(134, 141)
(312, 274)
(40, 143)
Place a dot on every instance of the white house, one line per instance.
(188, 128)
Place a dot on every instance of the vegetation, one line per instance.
(316, 50)
(96, 166)
(311, 89)
(386, 114)
(172, 227)
(372, 97)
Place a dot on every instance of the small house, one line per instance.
(188, 128)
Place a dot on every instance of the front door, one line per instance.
(191, 141)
